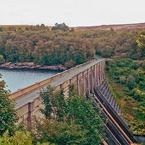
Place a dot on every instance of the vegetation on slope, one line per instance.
(43, 45)
(71, 121)
(74, 121)
(127, 78)
(71, 46)
(63, 45)
(19, 138)
(7, 113)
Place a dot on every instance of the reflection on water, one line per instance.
(18, 79)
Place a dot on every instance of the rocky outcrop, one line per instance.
(31, 65)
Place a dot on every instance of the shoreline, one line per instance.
(31, 66)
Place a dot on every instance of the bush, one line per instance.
(19, 138)
(69, 64)
(131, 83)
(138, 94)
(1, 59)
(143, 64)
(58, 132)
(73, 111)
(108, 52)
(62, 27)
(7, 113)
(122, 79)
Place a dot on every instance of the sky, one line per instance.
(72, 12)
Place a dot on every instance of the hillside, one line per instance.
(115, 27)
(61, 45)
(67, 46)
(126, 78)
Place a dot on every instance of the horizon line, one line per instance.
(109, 24)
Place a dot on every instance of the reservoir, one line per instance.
(19, 79)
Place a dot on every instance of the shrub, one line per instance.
(122, 79)
(1, 59)
(143, 64)
(138, 94)
(131, 83)
(19, 138)
(7, 113)
(73, 111)
(58, 132)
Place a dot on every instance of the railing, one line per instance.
(41, 84)
(115, 116)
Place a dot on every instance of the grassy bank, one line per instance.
(126, 78)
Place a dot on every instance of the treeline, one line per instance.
(43, 45)
(61, 44)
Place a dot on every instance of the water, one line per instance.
(19, 79)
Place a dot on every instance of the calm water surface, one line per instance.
(18, 79)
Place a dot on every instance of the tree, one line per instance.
(7, 112)
(79, 57)
(1, 59)
(143, 64)
(19, 138)
(69, 64)
(47, 101)
(58, 132)
(62, 27)
(1, 29)
(131, 82)
(76, 110)
(54, 103)
(141, 43)
(88, 117)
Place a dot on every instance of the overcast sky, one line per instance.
(72, 12)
